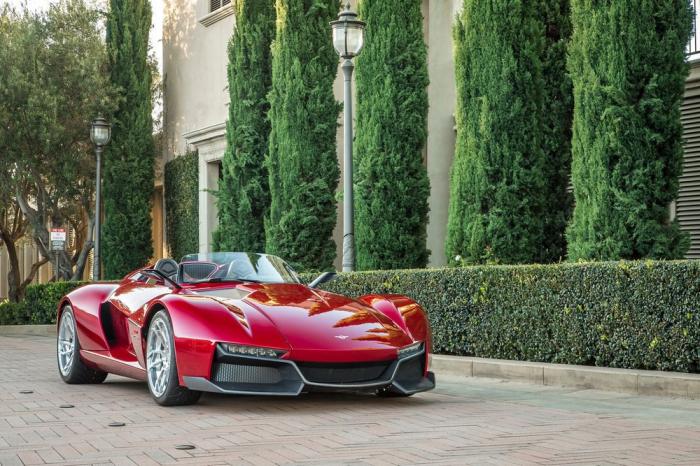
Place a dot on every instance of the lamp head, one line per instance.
(348, 33)
(100, 131)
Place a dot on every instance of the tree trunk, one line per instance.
(16, 286)
(38, 219)
(85, 251)
(15, 291)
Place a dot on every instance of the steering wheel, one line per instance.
(167, 267)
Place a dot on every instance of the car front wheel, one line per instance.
(161, 367)
(70, 366)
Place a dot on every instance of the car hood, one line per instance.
(317, 325)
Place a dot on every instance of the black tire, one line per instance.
(173, 394)
(75, 372)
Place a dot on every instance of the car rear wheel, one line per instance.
(70, 366)
(161, 366)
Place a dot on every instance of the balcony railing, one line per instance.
(694, 44)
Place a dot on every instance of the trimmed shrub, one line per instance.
(182, 205)
(302, 161)
(556, 128)
(508, 191)
(38, 306)
(14, 313)
(392, 107)
(498, 187)
(627, 60)
(130, 157)
(638, 315)
(243, 196)
(635, 315)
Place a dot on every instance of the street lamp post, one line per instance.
(348, 39)
(100, 133)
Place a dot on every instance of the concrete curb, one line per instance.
(28, 330)
(638, 382)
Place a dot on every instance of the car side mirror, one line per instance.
(321, 279)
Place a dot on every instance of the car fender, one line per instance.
(405, 312)
(85, 302)
(199, 323)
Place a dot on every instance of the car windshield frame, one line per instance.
(235, 267)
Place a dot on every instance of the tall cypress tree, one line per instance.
(627, 62)
(392, 105)
(129, 161)
(556, 118)
(302, 160)
(497, 195)
(243, 195)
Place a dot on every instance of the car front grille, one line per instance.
(349, 373)
(239, 373)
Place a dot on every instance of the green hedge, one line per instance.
(642, 315)
(39, 305)
(13, 313)
(182, 204)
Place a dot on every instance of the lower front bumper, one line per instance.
(248, 375)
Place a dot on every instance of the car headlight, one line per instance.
(410, 349)
(257, 351)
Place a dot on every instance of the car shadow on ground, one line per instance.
(310, 402)
(316, 400)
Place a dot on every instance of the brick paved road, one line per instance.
(463, 422)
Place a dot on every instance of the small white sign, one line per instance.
(58, 234)
(58, 239)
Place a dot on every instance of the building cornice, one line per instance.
(218, 15)
(201, 135)
(209, 142)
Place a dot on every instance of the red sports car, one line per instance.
(240, 323)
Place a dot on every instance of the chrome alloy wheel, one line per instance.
(66, 342)
(158, 356)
